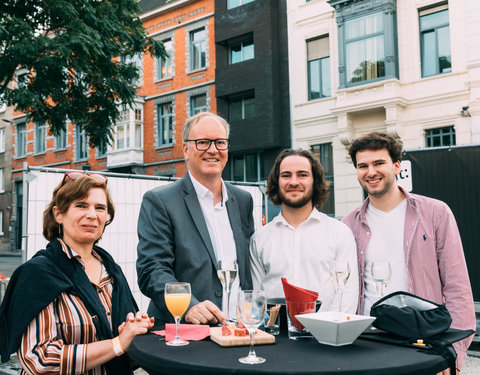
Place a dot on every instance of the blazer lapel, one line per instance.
(236, 224)
(196, 212)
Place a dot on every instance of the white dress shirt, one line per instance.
(302, 255)
(221, 234)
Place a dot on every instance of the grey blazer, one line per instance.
(174, 244)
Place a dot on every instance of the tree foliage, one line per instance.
(75, 54)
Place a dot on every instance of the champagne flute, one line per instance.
(381, 273)
(177, 299)
(227, 272)
(251, 308)
(339, 274)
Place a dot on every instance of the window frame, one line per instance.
(195, 110)
(242, 99)
(81, 137)
(437, 8)
(259, 155)
(197, 65)
(161, 118)
(348, 11)
(62, 135)
(2, 180)
(444, 131)
(168, 62)
(40, 138)
(329, 164)
(21, 139)
(240, 3)
(2, 140)
(243, 44)
(321, 74)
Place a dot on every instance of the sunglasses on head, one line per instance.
(73, 175)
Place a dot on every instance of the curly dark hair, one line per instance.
(320, 185)
(63, 196)
(377, 141)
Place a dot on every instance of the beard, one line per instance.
(389, 183)
(307, 198)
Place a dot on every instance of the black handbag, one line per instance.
(409, 316)
(412, 318)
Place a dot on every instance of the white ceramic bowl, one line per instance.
(335, 328)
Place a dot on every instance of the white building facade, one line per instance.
(408, 67)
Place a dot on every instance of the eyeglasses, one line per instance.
(73, 175)
(204, 144)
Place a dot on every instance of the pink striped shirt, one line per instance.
(436, 267)
(55, 341)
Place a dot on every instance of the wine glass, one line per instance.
(339, 274)
(251, 307)
(227, 272)
(177, 299)
(381, 273)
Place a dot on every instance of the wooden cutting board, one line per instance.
(261, 337)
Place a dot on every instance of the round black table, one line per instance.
(284, 357)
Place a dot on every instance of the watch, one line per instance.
(117, 347)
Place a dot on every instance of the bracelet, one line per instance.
(117, 347)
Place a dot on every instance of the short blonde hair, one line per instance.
(196, 118)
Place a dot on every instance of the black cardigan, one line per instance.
(36, 283)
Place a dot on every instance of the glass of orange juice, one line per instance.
(177, 299)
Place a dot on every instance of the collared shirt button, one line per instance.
(218, 294)
(368, 233)
(361, 252)
(108, 313)
(99, 291)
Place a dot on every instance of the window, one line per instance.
(242, 108)
(3, 105)
(122, 130)
(318, 56)
(164, 66)
(102, 149)
(40, 133)
(21, 141)
(241, 51)
(2, 140)
(435, 41)
(324, 153)
(364, 41)
(236, 3)
(198, 44)
(247, 167)
(138, 127)
(2, 183)
(439, 137)
(61, 140)
(135, 60)
(165, 124)
(198, 104)
(81, 143)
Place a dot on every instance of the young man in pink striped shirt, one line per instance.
(416, 235)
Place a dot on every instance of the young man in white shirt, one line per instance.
(301, 243)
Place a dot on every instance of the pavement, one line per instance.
(9, 262)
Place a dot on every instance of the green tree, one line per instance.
(75, 54)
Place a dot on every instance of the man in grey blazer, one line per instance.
(184, 228)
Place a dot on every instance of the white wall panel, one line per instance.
(120, 238)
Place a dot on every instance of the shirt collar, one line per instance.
(203, 192)
(70, 253)
(315, 215)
